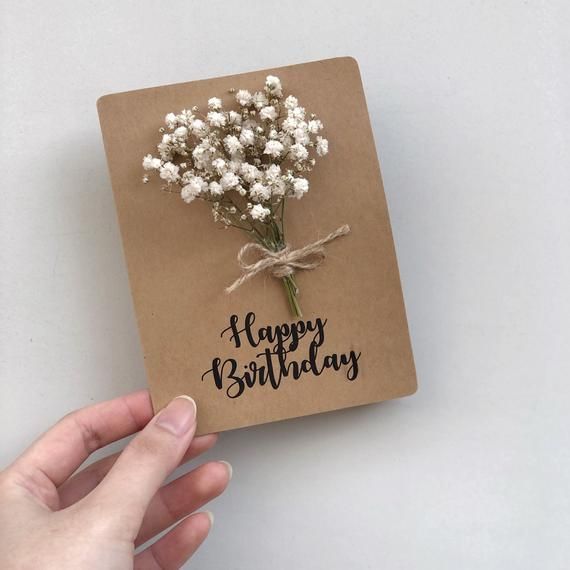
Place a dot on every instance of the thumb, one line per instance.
(126, 491)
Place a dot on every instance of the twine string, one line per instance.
(284, 262)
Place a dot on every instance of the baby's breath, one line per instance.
(246, 153)
(245, 160)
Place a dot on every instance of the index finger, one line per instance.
(63, 448)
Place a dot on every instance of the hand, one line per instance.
(52, 519)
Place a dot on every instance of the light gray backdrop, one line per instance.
(469, 102)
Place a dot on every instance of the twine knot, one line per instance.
(284, 262)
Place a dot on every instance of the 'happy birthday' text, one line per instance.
(275, 361)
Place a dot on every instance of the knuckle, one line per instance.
(92, 439)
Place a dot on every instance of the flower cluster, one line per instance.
(245, 160)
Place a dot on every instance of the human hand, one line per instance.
(52, 519)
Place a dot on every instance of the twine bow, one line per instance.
(284, 262)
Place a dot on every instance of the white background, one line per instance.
(469, 102)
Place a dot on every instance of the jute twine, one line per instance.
(284, 262)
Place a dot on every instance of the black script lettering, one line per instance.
(278, 360)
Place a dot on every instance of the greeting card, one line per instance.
(258, 243)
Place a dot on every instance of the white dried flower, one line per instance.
(247, 137)
(165, 151)
(181, 132)
(170, 120)
(289, 124)
(244, 97)
(314, 126)
(185, 117)
(300, 187)
(258, 212)
(297, 113)
(229, 180)
(301, 134)
(198, 127)
(188, 193)
(273, 148)
(249, 172)
(201, 155)
(291, 102)
(193, 189)
(259, 192)
(322, 146)
(214, 103)
(215, 188)
(216, 119)
(219, 164)
(151, 163)
(169, 172)
(268, 113)
(232, 144)
(259, 100)
(272, 173)
(273, 85)
(234, 118)
(298, 151)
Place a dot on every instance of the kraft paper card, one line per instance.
(258, 243)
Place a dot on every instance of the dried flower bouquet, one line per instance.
(247, 162)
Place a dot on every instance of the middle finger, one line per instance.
(183, 496)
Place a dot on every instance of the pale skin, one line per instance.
(55, 517)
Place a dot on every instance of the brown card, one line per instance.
(350, 347)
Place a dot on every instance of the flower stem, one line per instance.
(274, 240)
(292, 290)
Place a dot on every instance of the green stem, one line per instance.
(274, 239)
(283, 218)
(291, 290)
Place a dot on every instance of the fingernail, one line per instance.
(229, 468)
(179, 416)
(210, 515)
